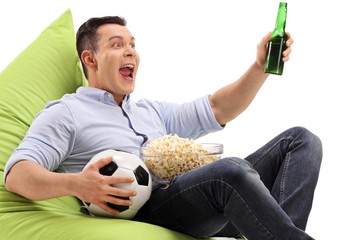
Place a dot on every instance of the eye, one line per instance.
(117, 45)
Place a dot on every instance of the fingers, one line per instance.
(290, 40)
(121, 198)
(113, 200)
(106, 192)
(261, 50)
(118, 191)
(108, 189)
(104, 206)
(264, 40)
(112, 180)
(102, 162)
(286, 53)
(267, 37)
(263, 43)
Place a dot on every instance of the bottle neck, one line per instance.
(280, 21)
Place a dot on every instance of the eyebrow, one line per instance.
(120, 37)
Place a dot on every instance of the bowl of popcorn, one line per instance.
(171, 155)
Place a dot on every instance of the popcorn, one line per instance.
(170, 156)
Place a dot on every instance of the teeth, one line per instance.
(129, 66)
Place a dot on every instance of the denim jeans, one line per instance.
(267, 195)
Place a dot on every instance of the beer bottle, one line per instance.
(277, 44)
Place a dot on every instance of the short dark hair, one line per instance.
(86, 38)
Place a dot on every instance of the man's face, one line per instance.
(115, 61)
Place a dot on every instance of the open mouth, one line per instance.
(127, 71)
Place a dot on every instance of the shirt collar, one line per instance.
(101, 95)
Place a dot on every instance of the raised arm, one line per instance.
(228, 102)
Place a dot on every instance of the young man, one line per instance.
(267, 195)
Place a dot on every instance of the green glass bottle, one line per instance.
(277, 44)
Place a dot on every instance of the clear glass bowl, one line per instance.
(168, 162)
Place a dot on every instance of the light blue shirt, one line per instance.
(70, 131)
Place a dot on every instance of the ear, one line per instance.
(89, 59)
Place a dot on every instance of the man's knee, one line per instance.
(233, 170)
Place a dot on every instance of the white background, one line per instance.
(189, 48)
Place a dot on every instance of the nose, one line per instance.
(129, 52)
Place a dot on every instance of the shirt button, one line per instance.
(109, 95)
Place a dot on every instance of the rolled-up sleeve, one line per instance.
(190, 120)
(206, 115)
(46, 144)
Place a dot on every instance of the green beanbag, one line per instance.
(46, 70)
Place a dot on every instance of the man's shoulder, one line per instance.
(66, 99)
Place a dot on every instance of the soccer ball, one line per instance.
(124, 164)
